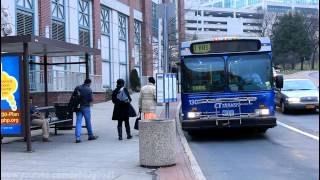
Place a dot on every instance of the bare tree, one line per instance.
(312, 25)
(267, 22)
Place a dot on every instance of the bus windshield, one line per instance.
(203, 74)
(245, 73)
(249, 72)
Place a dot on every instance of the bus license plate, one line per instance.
(310, 106)
(227, 113)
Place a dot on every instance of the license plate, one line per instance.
(310, 106)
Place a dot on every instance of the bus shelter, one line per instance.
(20, 48)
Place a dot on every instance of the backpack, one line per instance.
(74, 103)
(122, 96)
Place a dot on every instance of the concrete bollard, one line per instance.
(157, 143)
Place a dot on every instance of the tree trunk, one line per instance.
(312, 60)
(292, 66)
(302, 64)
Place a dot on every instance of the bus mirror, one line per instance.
(279, 81)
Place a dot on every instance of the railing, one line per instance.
(62, 81)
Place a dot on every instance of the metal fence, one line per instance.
(59, 80)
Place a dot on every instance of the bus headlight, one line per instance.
(262, 112)
(293, 100)
(192, 115)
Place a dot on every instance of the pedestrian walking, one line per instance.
(82, 96)
(122, 108)
(147, 100)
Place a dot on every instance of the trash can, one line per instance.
(157, 143)
(63, 112)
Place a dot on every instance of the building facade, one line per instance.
(122, 29)
(208, 18)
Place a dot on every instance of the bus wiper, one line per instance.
(304, 89)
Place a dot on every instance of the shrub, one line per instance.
(134, 80)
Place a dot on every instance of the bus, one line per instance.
(227, 82)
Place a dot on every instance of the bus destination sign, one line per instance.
(201, 48)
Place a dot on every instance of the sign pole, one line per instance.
(165, 49)
(26, 95)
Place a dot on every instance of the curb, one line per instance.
(192, 160)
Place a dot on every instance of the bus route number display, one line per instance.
(201, 48)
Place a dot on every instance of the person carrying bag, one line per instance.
(122, 108)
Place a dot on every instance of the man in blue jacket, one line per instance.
(84, 111)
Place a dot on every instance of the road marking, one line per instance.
(298, 130)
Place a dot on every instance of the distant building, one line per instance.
(205, 18)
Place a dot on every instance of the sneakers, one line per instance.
(93, 138)
(46, 140)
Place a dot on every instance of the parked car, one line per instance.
(297, 94)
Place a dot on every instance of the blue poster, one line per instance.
(11, 122)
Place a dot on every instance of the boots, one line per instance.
(120, 133)
(128, 133)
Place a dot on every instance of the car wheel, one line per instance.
(283, 107)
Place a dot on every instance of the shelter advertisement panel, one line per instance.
(11, 112)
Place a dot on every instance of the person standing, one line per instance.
(86, 99)
(147, 100)
(38, 119)
(122, 108)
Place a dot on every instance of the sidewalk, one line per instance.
(105, 158)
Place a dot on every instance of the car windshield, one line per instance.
(203, 74)
(299, 84)
(250, 72)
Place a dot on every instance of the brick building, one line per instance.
(122, 29)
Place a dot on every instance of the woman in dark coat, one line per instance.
(121, 111)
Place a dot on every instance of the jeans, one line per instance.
(86, 112)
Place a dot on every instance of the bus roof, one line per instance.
(265, 44)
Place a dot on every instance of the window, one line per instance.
(58, 20)
(26, 4)
(105, 21)
(84, 37)
(249, 72)
(84, 13)
(137, 42)
(57, 9)
(203, 74)
(84, 33)
(122, 27)
(24, 23)
(155, 23)
(58, 32)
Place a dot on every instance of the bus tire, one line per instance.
(192, 133)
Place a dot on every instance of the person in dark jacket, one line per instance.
(121, 111)
(84, 111)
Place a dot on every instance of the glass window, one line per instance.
(122, 27)
(203, 74)
(57, 9)
(105, 21)
(250, 72)
(84, 13)
(291, 85)
(27, 4)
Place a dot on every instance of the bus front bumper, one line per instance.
(252, 122)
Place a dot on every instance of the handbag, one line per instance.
(136, 124)
(132, 112)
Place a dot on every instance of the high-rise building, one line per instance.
(207, 18)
